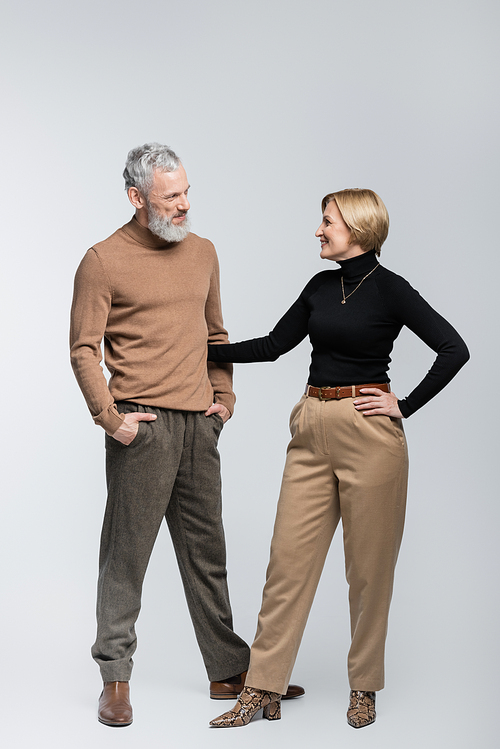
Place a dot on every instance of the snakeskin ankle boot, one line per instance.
(249, 703)
(361, 710)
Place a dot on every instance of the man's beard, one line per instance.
(163, 227)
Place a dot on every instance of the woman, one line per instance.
(347, 457)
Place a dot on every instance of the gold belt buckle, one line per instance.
(325, 387)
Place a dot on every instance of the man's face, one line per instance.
(168, 195)
(168, 205)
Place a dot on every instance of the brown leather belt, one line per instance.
(348, 391)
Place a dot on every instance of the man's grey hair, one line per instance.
(143, 160)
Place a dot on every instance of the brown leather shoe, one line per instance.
(228, 690)
(114, 704)
(294, 690)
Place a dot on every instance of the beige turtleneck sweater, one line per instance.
(156, 305)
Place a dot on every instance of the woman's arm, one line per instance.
(288, 333)
(437, 333)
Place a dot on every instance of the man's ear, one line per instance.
(136, 198)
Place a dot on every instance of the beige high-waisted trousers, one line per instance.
(340, 464)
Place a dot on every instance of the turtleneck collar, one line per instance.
(358, 266)
(145, 237)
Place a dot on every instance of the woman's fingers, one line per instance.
(376, 399)
(378, 402)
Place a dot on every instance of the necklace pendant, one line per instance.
(343, 301)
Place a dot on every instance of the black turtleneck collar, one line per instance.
(358, 266)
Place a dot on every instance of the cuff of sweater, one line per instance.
(403, 407)
(109, 419)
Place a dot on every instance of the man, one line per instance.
(151, 291)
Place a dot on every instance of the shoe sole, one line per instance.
(114, 725)
(224, 696)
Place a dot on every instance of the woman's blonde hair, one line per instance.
(364, 213)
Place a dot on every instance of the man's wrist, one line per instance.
(109, 419)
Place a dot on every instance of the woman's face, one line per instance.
(334, 236)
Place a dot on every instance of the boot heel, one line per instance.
(273, 710)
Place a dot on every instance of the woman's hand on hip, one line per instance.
(376, 403)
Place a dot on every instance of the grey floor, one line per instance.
(164, 718)
(62, 714)
(440, 690)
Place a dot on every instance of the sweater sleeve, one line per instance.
(220, 374)
(288, 333)
(89, 313)
(452, 353)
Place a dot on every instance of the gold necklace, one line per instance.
(344, 297)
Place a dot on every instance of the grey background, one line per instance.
(270, 105)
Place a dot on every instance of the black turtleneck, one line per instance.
(352, 342)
